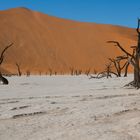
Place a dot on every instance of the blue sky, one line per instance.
(118, 12)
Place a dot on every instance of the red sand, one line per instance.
(43, 42)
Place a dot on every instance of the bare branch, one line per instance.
(112, 60)
(1, 60)
(114, 73)
(132, 62)
(133, 47)
(2, 54)
(134, 51)
(124, 65)
(119, 58)
(101, 73)
(118, 45)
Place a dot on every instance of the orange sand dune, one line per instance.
(43, 42)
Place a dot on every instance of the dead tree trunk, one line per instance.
(136, 59)
(126, 69)
(117, 66)
(72, 70)
(87, 72)
(108, 69)
(3, 80)
(18, 68)
(50, 71)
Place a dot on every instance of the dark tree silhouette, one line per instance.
(2, 53)
(136, 82)
(2, 79)
(72, 70)
(18, 68)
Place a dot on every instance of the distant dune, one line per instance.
(43, 42)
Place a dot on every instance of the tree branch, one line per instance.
(114, 73)
(118, 45)
(124, 65)
(2, 54)
(119, 58)
(132, 62)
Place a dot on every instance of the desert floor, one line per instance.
(69, 108)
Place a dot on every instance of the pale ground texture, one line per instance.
(69, 108)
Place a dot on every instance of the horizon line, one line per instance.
(70, 19)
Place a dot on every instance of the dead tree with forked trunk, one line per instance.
(114, 63)
(117, 64)
(133, 58)
(3, 80)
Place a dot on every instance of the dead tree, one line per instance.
(133, 58)
(2, 79)
(40, 73)
(76, 72)
(117, 64)
(129, 60)
(71, 70)
(19, 70)
(109, 71)
(106, 73)
(50, 71)
(87, 72)
(80, 72)
(55, 73)
(28, 73)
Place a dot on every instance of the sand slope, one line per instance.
(42, 42)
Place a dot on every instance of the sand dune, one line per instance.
(43, 42)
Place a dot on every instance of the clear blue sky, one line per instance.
(118, 12)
